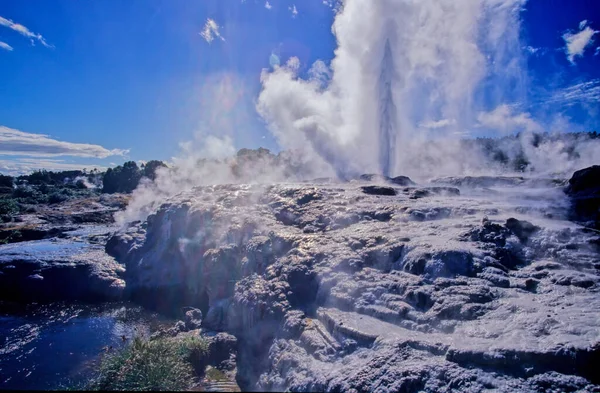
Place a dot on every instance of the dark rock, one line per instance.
(93, 217)
(378, 190)
(402, 181)
(584, 191)
(522, 229)
(398, 180)
(193, 319)
(46, 271)
(28, 233)
(584, 180)
(221, 347)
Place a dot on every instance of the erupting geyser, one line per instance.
(404, 72)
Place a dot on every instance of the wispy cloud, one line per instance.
(505, 120)
(22, 166)
(268, 5)
(5, 46)
(575, 43)
(581, 93)
(211, 31)
(437, 124)
(293, 10)
(19, 28)
(19, 143)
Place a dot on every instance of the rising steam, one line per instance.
(409, 79)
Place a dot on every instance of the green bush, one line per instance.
(57, 197)
(8, 207)
(162, 364)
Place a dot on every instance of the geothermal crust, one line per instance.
(381, 285)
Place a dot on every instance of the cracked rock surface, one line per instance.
(465, 285)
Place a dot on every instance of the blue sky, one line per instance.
(134, 79)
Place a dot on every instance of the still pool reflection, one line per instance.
(56, 346)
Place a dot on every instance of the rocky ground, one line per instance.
(461, 284)
(56, 252)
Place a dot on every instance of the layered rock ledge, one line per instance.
(376, 285)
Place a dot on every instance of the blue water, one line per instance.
(56, 346)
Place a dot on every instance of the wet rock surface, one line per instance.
(328, 288)
(50, 270)
(57, 253)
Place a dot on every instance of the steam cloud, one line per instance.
(408, 79)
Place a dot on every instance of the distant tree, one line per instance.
(38, 177)
(149, 169)
(6, 181)
(122, 178)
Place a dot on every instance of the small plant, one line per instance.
(161, 364)
(195, 351)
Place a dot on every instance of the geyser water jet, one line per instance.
(400, 67)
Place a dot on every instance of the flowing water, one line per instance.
(57, 346)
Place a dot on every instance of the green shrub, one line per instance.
(57, 197)
(161, 364)
(8, 207)
(195, 351)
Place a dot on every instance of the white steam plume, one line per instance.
(408, 79)
(399, 65)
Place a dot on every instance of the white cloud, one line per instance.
(320, 72)
(585, 92)
(19, 143)
(294, 10)
(505, 120)
(531, 49)
(293, 63)
(437, 124)
(24, 31)
(268, 5)
(5, 46)
(210, 31)
(27, 165)
(575, 43)
(597, 51)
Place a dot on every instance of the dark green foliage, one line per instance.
(8, 207)
(123, 178)
(6, 181)
(49, 177)
(80, 185)
(149, 169)
(57, 197)
(161, 364)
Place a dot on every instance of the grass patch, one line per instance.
(161, 364)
